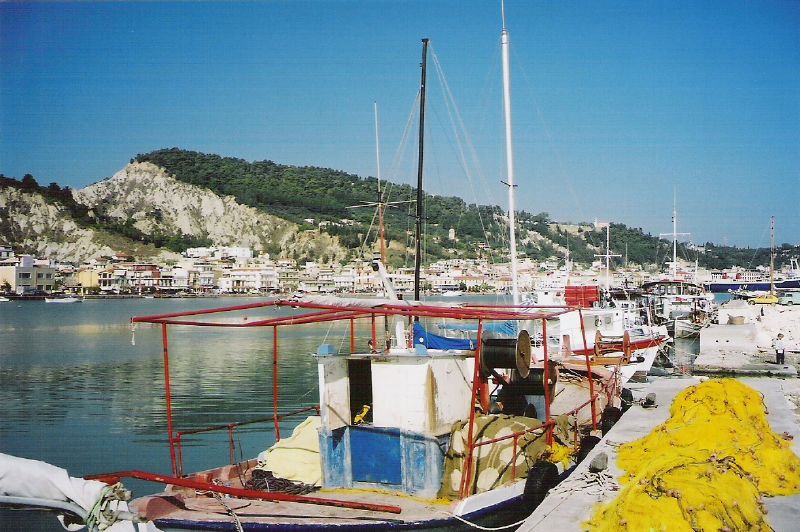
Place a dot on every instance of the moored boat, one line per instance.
(425, 432)
(63, 299)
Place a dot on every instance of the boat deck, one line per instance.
(178, 506)
(169, 511)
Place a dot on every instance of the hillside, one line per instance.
(160, 207)
(171, 199)
(143, 212)
(41, 223)
(324, 195)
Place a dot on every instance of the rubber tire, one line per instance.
(627, 399)
(587, 444)
(542, 477)
(609, 418)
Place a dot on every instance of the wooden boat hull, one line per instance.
(497, 507)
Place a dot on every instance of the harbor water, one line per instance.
(83, 391)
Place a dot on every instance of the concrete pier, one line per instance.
(571, 503)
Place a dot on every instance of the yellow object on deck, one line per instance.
(297, 457)
(705, 468)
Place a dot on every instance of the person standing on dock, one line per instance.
(780, 349)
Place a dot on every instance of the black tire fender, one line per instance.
(542, 477)
(587, 444)
(609, 418)
(626, 398)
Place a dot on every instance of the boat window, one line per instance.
(359, 373)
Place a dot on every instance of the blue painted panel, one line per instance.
(375, 455)
(333, 450)
(423, 463)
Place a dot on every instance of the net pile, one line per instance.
(705, 468)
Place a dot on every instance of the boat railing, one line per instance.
(231, 428)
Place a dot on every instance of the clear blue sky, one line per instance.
(615, 103)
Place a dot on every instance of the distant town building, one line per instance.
(24, 274)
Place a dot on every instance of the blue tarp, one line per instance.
(434, 341)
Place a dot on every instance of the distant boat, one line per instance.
(452, 293)
(67, 299)
(3, 298)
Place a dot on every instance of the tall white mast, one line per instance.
(377, 144)
(608, 254)
(674, 267)
(381, 204)
(674, 236)
(512, 241)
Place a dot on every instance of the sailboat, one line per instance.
(685, 307)
(419, 431)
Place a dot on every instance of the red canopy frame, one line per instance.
(323, 312)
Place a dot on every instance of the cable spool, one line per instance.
(508, 353)
(533, 383)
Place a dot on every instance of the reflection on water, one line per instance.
(75, 391)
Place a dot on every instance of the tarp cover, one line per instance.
(297, 457)
(21, 477)
(434, 341)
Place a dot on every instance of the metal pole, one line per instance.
(420, 211)
(168, 394)
(275, 418)
(466, 473)
(547, 398)
(588, 371)
(352, 336)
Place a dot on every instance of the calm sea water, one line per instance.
(75, 391)
(80, 390)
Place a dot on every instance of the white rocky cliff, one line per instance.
(159, 203)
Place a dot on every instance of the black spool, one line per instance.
(533, 384)
(507, 353)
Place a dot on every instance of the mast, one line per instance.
(674, 238)
(608, 256)
(772, 255)
(418, 258)
(382, 230)
(608, 253)
(674, 267)
(512, 240)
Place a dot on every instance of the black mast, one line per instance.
(418, 258)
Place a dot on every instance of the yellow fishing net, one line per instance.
(705, 468)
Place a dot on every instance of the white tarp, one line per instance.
(21, 477)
